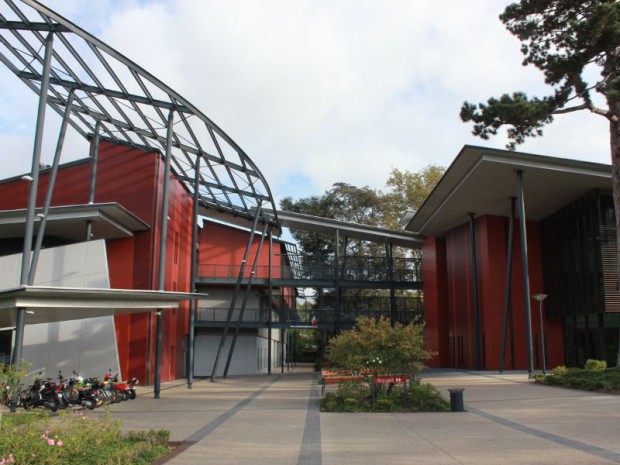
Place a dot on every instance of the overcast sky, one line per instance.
(318, 91)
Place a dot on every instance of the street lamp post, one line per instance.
(539, 298)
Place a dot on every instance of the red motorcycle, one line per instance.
(124, 389)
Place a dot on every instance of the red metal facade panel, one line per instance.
(222, 249)
(455, 316)
(132, 178)
(435, 301)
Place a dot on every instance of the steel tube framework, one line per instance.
(100, 93)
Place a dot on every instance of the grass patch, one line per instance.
(605, 380)
(71, 438)
(358, 397)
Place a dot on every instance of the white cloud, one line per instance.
(332, 91)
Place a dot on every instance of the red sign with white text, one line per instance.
(389, 379)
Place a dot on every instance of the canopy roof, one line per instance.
(482, 181)
(51, 304)
(131, 106)
(375, 234)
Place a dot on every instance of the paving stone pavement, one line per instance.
(275, 420)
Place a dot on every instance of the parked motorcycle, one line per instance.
(40, 394)
(68, 394)
(125, 389)
(89, 395)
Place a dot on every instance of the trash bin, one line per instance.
(456, 400)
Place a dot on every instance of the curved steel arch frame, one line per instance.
(102, 94)
(130, 105)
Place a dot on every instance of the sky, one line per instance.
(317, 91)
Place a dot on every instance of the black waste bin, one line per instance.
(456, 400)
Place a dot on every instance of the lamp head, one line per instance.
(539, 297)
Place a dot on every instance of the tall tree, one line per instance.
(407, 190)
(564, 39)
(342, 202)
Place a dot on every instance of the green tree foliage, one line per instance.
(566, 40)
(562, 38)
(407, 191)
(342, 202)
(305, 344)
(375, 347)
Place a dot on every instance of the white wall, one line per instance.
(215, 307)
(87, 346)
(249, 358)
(244, 361)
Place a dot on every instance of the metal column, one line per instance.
(32, 198)
(163, 237)
(50, 189)
(507, 283)
(390, 269)
(234, 297)
(193, 305)
(526, 273)
(246, 295)
(337, 276)
(270, 298)
(94, 160)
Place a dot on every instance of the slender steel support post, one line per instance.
(390, 271)
(244, 303)
(337, 275)
(163, 237)
(193, 305)
(233, 301)
(526, 273)
(507, 283)
(270, 297)
(32, 201)
(474, 285)
(94, 161)
(282, 336)
(50, 189)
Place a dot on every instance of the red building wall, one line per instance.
(222, 249)
(450, 317)
(132, 178)
(221, 253)
(435, 301)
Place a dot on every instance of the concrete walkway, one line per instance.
(275, 420)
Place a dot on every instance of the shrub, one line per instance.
(375, 347)
(10, 376)
(559, 370)
(357, 397)
(595, 365)
(72, 439)
(588, 380)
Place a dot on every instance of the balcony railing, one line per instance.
(376, 270)
(407, 309)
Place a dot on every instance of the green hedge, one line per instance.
(593, 379)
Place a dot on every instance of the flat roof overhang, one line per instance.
(68, 222)
(52, 304)
(312, 223)
(482, 181)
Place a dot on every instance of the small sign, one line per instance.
(389, 379)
